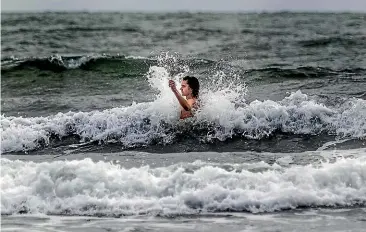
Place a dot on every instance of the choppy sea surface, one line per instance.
(91, 138)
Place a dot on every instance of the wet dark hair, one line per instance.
(193, 84)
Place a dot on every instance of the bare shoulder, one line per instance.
(193, 102)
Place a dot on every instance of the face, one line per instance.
(185, 89)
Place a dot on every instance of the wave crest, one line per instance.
(157, 122)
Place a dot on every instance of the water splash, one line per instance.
(224, 113)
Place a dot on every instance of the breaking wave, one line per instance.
(223, 114)
(84, 187)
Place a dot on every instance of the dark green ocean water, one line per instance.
(53, 63)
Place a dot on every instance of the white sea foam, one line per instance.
(78, 61)
(72, 63)
(87, 188)
(223, 108)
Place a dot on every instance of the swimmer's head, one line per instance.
(190, 86)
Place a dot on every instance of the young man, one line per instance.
(190, 89)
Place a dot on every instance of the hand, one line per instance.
(172, 86)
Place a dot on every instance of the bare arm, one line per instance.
(187, 105)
